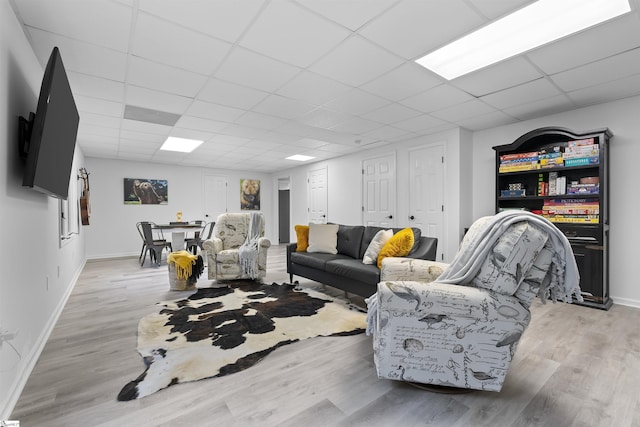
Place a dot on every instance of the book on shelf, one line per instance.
(583, 151)
(579, 142)
(575, 219)
(583, 189)
(572, 202)
(582, 161)
(520, 167)
(515, 156)
(575, 210)
(513, 193)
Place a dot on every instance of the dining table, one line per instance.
(178, 231)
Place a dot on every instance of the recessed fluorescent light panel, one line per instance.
(535, 25)
(300, 158)
(182, 145)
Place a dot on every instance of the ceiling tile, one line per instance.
(105, 24)
(391, 113)
(612, 68)
(324, 118)
(437, 98)
(407, 80)
(99, 120)
(279, 106)
(355, 62)
(356, 102)
(522, 94)
(356, 125)
(463, 111)
(197, 123)
(211, 111)
(609, 91)
(256, 71)
(387, 133)
(313, 88)
(98, 106)
(530, 110)
(414, 28)
(420, 123)
(233, 95)
(485, 121)
(79, 56)
(170, 44)
(494, 78)
(497, 8)
(84, 84)
(352, 14)
(152, 75)
(155, 100)
(610, 38)
(261, 121)
(145, 127)
(224, 19)
(301, 36)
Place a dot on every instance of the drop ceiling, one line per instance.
(261, 80)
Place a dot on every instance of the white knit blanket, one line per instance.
(248, 251)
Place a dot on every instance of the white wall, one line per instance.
(31, 254)
(113, 232)
(621, 117)
(345, 186)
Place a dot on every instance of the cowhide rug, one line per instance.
(219, 331)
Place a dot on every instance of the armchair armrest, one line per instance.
(212, 245)
(411, 269)
(263, 242)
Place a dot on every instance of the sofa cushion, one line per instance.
(398, 246)
(373, 250)
(354, 269)
(302, 238)
(370, 232)
(314, 260)
(349, 239)
(323, 238)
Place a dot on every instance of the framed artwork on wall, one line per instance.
(143, 191)
(250, 194)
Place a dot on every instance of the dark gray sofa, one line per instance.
(345, 269)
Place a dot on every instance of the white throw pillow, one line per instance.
(323, 238)
(373, 250)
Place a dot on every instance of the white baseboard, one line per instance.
(15, 390)
(626, 301)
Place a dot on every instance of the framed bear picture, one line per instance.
(143, 191)
(250, 194)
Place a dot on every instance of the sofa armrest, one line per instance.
(426, 249)
(411, 269)
(213, 245)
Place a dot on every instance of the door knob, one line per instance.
(411, 217)
(324, 216)
(390, 217)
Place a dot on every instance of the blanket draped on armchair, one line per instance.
(248, 252)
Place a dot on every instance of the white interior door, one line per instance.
(318, 195)
(379, 191)
(426, 190)
(215, 196)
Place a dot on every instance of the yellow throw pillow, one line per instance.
(399, 245)
(302, 235)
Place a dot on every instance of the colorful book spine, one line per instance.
(583, 161)
(519, 167)
(516, 156)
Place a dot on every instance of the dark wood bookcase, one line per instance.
(529, 187)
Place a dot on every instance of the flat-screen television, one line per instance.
(48, 138)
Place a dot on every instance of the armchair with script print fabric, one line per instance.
(224, 254)
(459, 325)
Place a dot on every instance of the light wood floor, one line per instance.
(575, 366)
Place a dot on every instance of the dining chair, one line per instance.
(151, 245)
(196, 242)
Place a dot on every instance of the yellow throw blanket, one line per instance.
(184, 261)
